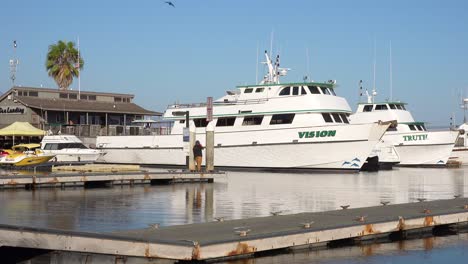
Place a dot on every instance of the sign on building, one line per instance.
(19, 110)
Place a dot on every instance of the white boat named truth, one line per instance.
(414, 145)
(268, 125)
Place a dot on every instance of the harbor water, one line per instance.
(241, 195)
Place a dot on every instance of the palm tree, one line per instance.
(62, 63)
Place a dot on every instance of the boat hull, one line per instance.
(22, 161)
(423, 148)
(460, 154)
(293, 148)
(76, 156)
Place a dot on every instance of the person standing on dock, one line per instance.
(197, 153)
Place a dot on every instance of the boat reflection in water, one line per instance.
(243, 195)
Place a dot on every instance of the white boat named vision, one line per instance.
(69, 148)
(414, 145)
(269, 125)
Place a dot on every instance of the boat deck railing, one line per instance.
(220, 103)
(110, 130)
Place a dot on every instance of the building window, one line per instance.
(72, 96)
(252, 120)
(367, 108)
(227, 121)
(63, 95)
(248, 90)
(117, 99)
(314, 90)
(200, 122)
(285, 91)
(83, 97)
(327, 117)
(282, 119)
(259, 90)
(35, 94)
(92, 97)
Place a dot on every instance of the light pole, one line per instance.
(186, 133)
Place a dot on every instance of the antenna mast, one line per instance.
(374, 92)
(391, 73)
(13, 63)
(256, 67)
(308, 62)
(79, 73)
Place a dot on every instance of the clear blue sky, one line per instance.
(204, 47)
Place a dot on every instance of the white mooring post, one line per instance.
(209, 154)
(193, 136)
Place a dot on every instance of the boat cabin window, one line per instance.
(344, 118)
(325, 90)
(392, 106)
(252, 120)
(327, 117)
(282, 119)
(248, 90)
(412, 127)
(381, 107)
(200, 122)
(401, 107)
(182, 121)
(285, 91)
(332, 91)
(337, 118)
(59, 146)
(367, 108)
(314, 90)
(295, 90)
(226, 121)
(391, 128)
(421, 127)
(259, 90)
(303, 91)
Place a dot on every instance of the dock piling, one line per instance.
(193, 137)
(210, 146)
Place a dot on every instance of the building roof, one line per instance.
(26, 88)
(84, 106)
(58, 104)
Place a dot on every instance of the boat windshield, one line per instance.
(59, 146)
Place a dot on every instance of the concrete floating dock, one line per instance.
(102, 179)
(237, 238)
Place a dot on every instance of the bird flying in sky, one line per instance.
(169, 3)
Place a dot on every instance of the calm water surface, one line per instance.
(244, 195)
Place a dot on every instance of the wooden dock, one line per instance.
(246, 237)
(87, 178)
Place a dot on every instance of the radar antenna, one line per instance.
(13, 64)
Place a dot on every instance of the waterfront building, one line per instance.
(82, 113)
